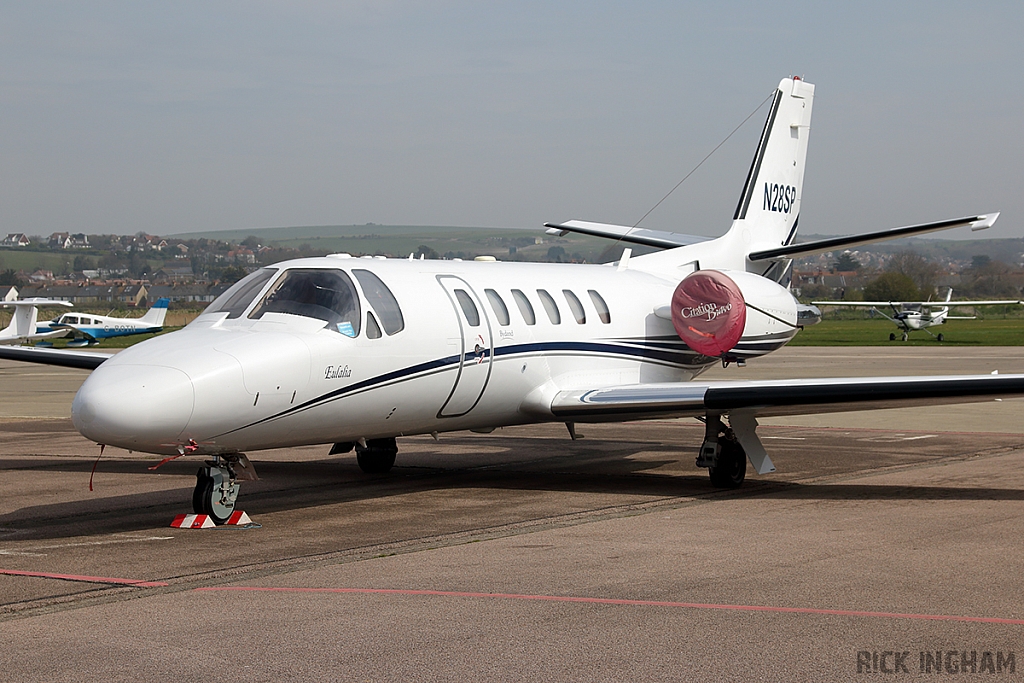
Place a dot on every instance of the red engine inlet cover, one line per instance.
(708, 312)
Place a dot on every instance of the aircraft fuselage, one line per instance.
(470, 354)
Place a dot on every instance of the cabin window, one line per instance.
(575, 306)
(525, 307)
(70, 320)
(498, 306)
(381, 300)
(237, 299)
(327, 295)
(550, 306)
(372, 328)
(468, 307)
(602, 308)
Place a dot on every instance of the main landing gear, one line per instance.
(374, 456)
(217, 485)
(722, 454)
(377, 456)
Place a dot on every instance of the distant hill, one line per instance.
(399, 240)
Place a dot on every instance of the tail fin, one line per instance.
(23, 321)
(769, 207)
(949, 295)
(156, 315)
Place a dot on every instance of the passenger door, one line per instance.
(474, 347)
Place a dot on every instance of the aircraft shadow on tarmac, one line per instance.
(600, 467)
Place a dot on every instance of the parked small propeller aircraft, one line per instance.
(919, 315)
(89, 329)
(355, 352)
(23, 325)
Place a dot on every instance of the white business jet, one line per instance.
(919, 315)
(355, 352)
(23, 326)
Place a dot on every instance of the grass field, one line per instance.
(867, 332)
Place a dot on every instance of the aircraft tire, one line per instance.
(905, 336)
(892, 336)
(378, 457)
(940, 337)
(731, 468)
(203, 502)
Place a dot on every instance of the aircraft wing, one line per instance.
(68, 358)
(779, 397)
(37, 302)
(1009, 302)
(75, 331)
(819, 246)
(650, 238)
(934, 304)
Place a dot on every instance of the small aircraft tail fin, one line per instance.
(23, 322)
(768, 209)
(156, 315)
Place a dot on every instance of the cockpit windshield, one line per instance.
(237, 299)
(327, 295)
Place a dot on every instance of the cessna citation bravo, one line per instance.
(355, 352)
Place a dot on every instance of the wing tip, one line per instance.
(985, 221)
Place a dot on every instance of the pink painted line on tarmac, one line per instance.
(86, 579)
(616, 601)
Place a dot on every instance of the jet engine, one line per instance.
(713, 309)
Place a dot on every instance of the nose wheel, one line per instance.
(217, 486)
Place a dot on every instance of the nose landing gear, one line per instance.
(217, 486)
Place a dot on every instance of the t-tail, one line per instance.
(156, 315)
(769, 207)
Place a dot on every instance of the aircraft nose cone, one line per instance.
(134, 406)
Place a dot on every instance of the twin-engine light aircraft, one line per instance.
(89, 329)
(355, 352)
(919, 315)
(23, 326)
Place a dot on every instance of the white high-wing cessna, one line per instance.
(919, 315)
(355, 352)
(23, 326)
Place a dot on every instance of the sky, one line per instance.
(198, 116)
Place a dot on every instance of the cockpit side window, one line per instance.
(237, 299)
(381, 300)
(327, 295)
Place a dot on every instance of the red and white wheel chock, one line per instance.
(237, 518)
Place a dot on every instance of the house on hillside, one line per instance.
(8, 293)
(59, 240)
(132, 295)
(174, 274)
(79, 241)
(16, 239)
(189, 293)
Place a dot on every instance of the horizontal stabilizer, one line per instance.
(650, 238)
(833, 243)
(86, 360)
(779, 397)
